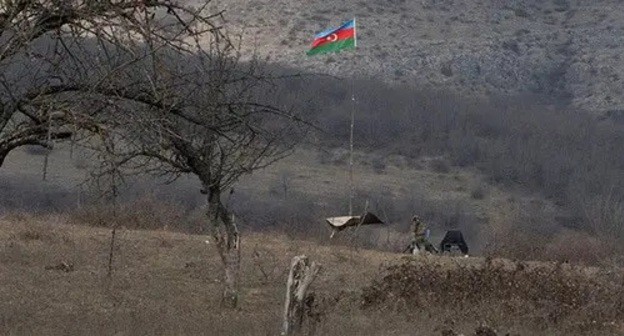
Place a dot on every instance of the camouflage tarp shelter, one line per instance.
(343, 222)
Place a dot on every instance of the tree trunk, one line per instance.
(225, 234)
(301, 275)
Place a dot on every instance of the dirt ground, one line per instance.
(54, 282)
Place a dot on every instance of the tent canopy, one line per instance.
(343, 222)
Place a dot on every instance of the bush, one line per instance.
(521, 13)
(580, 247)
(379, 165)
(146, 213)
(447, 69)
(440, 166)
(559, 293)
(478, 191)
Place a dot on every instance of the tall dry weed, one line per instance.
(550, 295)
(146, 213)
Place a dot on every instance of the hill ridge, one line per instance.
(564, 48)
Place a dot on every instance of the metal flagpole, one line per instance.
(351, 186)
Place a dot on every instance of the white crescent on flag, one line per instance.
(332, 37)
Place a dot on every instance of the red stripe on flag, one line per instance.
(339, 35)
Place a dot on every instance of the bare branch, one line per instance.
(65, 55)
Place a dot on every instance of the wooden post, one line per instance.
(301, 275)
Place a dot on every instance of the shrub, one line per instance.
(440, 166)
(146, 213)
(478, 191)
(446, 69)
(379, 165)
(559, 293)
(579, 247)
(521, 13)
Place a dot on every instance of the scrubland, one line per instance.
(55, 281)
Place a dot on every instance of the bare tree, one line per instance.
(56, 54)
(156, 77)
(211, 115)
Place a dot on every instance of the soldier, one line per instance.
(420, 242)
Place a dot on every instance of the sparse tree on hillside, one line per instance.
(57, 55)
(123, 70)
(215, 119)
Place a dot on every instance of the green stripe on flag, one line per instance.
(332, 47)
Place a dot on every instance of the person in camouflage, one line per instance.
(420, 242)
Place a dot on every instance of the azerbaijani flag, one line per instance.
(335, 40)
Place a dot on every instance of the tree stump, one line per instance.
(301, 275)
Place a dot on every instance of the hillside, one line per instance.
(295, 194)
(569, 49)
(54, 283)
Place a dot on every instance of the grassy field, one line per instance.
(54, 282)
(308, 182)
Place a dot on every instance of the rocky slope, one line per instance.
(565, 48)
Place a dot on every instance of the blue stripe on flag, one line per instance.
(347, 25)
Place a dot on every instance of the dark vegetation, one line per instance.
(539, 296)
(524, 143)
(535, 143)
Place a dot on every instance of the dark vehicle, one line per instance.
(452, 241)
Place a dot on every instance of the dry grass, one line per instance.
(163, 283)
(144, 213)
(315, 190)
(167, 283)
(537, 297)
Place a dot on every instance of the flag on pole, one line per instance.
(335, 40)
